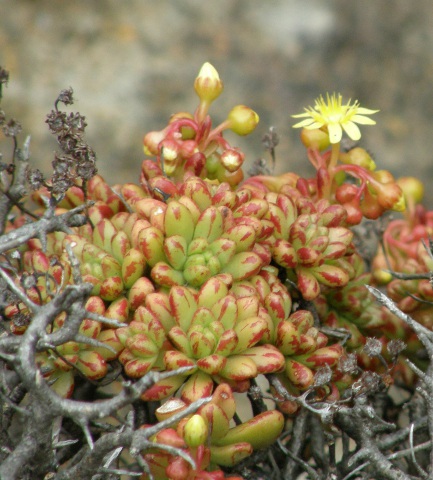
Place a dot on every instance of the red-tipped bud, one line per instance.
(354, 214)
(170, 151)
(188, 148)
(151, 141)
(232, 159)
(391, 197)
(346, 193)
(233, 179)
(383, 176)
(370, 207)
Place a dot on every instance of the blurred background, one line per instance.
(132, 64)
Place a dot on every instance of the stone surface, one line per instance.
(133, 63)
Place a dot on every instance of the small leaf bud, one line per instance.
(195, 431)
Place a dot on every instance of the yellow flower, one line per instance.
(336, 117)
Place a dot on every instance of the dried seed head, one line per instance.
(66, 96)
(322, 376)
(373, 347)
(35, 178)
(348, 363)
(12, 128)
(395, 347)
(28, 281)
(370, 382)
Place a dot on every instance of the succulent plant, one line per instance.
(213, 330)
(209, 434)
(310, 241)
(231, 280)
(89, 357)
(61, 365)
(192, 250)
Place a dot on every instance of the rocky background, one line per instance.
(132, 63)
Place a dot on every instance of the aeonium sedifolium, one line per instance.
(231, 279)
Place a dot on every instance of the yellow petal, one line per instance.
(362, 120)
(305, 123)
(315, 125)
(352, 130)
(335, 132)
(301, 115)
(365, 111)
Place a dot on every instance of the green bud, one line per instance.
(195, 432)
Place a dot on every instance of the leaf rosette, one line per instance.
(212, 330)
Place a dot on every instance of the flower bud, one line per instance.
(370, 207)
(151, 141)
(208, 85)
(233, 179)
(413, 188)
(380, 269)
(195, 431)
(383, 176)
(188, 148)
(354, 213)
(169, 149)
(346, 193)
(316, 139)
(358, 156)
(232, 159)
(391, 197)
(242, 120)
(187, 132)
(195, 163)
(170, 153)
